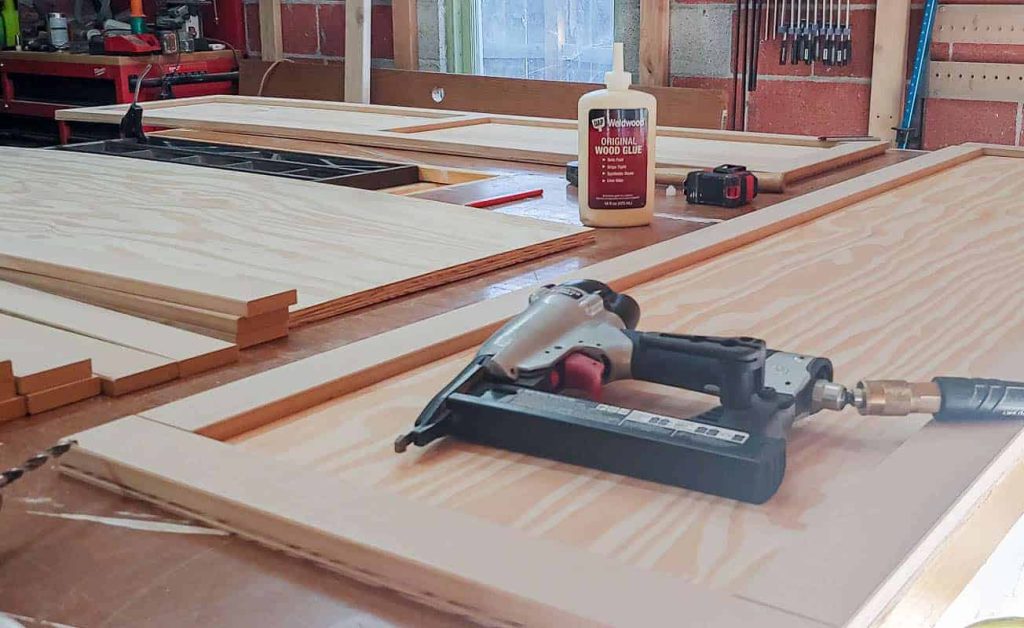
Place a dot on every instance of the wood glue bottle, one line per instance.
(616, 159)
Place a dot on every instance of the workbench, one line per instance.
(89, 569)
(37, 84)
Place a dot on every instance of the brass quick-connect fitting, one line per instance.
(887, 397)
(882, 397)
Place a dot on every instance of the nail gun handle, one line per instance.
(965, 399)
(730, 368)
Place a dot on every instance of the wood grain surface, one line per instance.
(7, 387)
(670, 150)
(236, 236)
(885, 288)
(13, 408)
(169, 578)
(64, 395)
(122, 369)
(531, 140)
(39, 368)
(193, 353)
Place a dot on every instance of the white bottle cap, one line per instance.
(618, 78)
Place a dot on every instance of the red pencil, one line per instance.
(507, 198)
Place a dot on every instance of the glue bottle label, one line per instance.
(617, 160)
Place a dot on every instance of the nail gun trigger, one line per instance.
(584, 373)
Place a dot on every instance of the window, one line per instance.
(561, 40)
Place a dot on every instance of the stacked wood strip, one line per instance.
(12, 405)
(190, 353)
(44, 376)
(120, 369)
(244, 331)
(57, 351)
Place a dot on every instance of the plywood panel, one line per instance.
(342, 248)
(533, 140)
(670, 150)
(122, 369)
(845, 286)
(193, 353)
(882, 282)
(309, 117)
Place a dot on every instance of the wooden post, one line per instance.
(406, 33)
(888, 70)
(357, 51)
(270, 30)
(654, 42)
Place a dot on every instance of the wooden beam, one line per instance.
(405, 25)
(888, 73)
(357, 51)
(271, 48)
(654, 42)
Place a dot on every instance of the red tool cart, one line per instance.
(39, 83)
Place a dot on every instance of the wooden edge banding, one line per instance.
(53, 377)
(238, 407)
(393, 541)
(138, 381)
(841, 155)
(63, 395)
(473, 268)
(13, 408)
(443, 124)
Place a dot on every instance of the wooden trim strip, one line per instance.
(357, 51)
(389, 540)
(892, 25)
(405, 27)
(654, 41)
(244, 405)
(271, 47)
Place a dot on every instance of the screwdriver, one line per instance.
(946, 398)
(784, 31)
(847, 39)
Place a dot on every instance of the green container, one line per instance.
(12, 23)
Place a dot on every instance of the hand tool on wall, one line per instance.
(827, 32)
(753, 45)
(805, 34)
(846, 48)
(581, 335)
(797, 50)
(784, 30)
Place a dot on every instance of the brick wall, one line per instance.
(805, 99)
(316, 29)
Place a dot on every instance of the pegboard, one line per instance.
(991, 24)
(976, 81)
